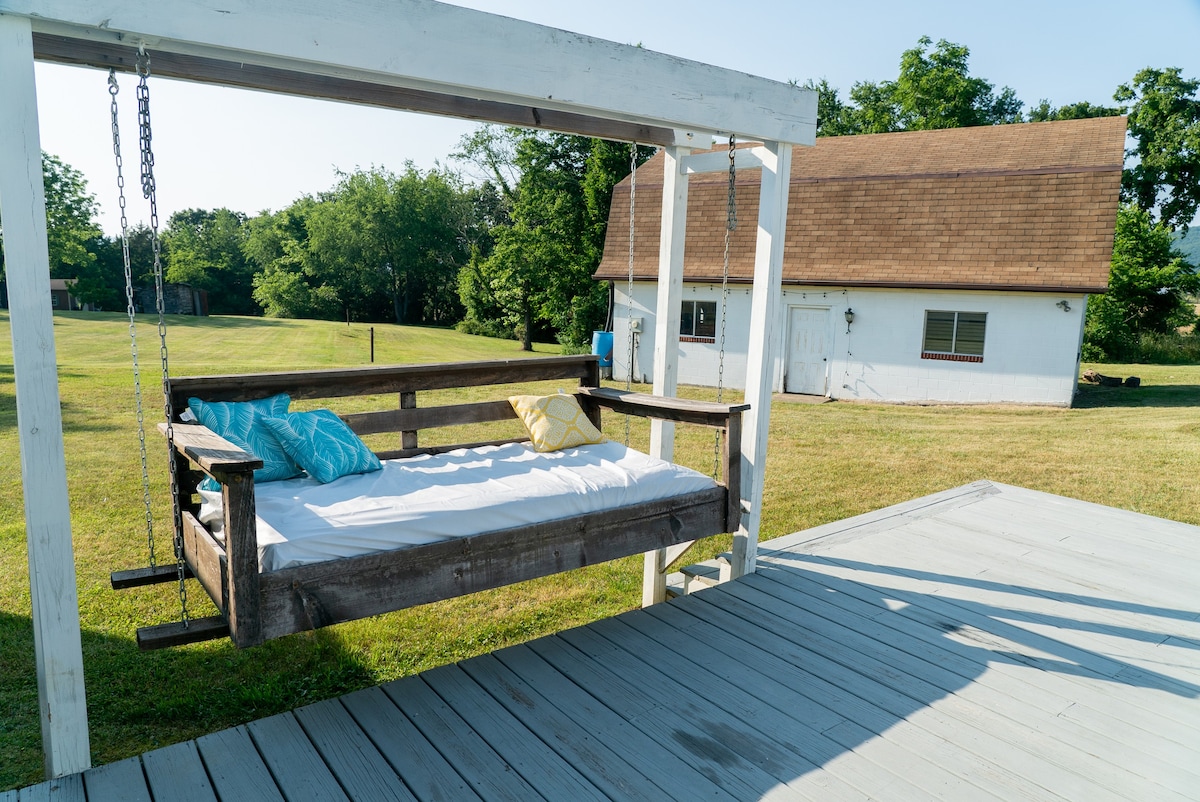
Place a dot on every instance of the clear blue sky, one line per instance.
(252, 151)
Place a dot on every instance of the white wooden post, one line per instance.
(766, 327)
(666, 337)
(53, 593)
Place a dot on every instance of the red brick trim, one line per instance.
(951, 357)
(684, 339)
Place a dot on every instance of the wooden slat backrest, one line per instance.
(405, 380)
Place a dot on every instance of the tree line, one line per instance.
(511, 253)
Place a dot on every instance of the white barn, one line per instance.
(932, 266)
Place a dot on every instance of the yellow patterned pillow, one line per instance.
(555, 421)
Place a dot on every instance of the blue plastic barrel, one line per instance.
(602, 346)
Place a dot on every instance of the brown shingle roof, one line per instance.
(1029, 206)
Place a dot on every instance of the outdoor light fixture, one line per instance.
(1063, 305)
(849, 318)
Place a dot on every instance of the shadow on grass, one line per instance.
(138, 701)
(1092, 396)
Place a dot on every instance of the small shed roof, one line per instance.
(1018, 207)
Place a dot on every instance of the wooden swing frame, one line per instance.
(257, 606)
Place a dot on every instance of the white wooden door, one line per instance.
(808, 350)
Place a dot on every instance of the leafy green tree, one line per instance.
(1148, 287)
(70, 220)
(933, 90)
(1164, 118)
(289, 280)
(1044, 112)
(834, 117)
(540, 272)
(397, 237)
(204, 249)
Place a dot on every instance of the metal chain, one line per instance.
(633, 165)
(730, 227)
(113, 89)
(145, 135)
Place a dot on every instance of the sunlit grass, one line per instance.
(1135, 449)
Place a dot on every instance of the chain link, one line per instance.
(633, 165)
(730, 227)
(145, 135)
(113, 89)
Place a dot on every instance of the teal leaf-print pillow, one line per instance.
(241, 423)
(322, 444)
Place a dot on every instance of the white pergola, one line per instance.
(416, 55)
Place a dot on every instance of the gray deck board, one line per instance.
(362, 771)
(294, 762)
(775, 695)
(922, 634)
(731, 755)
(485, 772)
(176, 774)
(899, 655)
(426, 772)
(957, 734)
(122, 781)
(63, 789)
(525, 753)
(986, 642)
(646, 750)
(235, 767)
(612, 767)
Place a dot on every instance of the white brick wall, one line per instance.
(1030, 348)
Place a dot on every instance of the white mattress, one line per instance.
(436, 497)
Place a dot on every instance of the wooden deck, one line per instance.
(987, 642)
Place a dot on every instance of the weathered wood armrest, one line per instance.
(212, 453)
(683, 410)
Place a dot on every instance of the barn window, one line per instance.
(956, 336)
(698, 321)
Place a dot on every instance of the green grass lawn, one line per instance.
(1131, 448)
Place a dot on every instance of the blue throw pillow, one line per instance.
(322, 444)
(241, 423)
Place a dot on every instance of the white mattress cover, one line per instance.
(460, 493)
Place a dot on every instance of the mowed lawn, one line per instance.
(1138, 449)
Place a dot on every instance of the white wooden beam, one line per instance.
(425, 45)
(718, 160)
(666, 337)
(766, 329)
(53, 593)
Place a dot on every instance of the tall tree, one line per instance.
(70, 219)
(540, 271)
(1163, 176)
(400, 238)
(289, 280)
(1148, 287)
(933, 90)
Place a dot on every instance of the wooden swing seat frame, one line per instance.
(257, 606)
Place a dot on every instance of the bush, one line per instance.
(1168, 349)
(1148, 348)
(486, 328)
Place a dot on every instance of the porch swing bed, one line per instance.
(479, 515)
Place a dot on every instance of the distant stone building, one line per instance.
(178, 299)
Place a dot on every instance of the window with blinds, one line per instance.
(954, 335)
